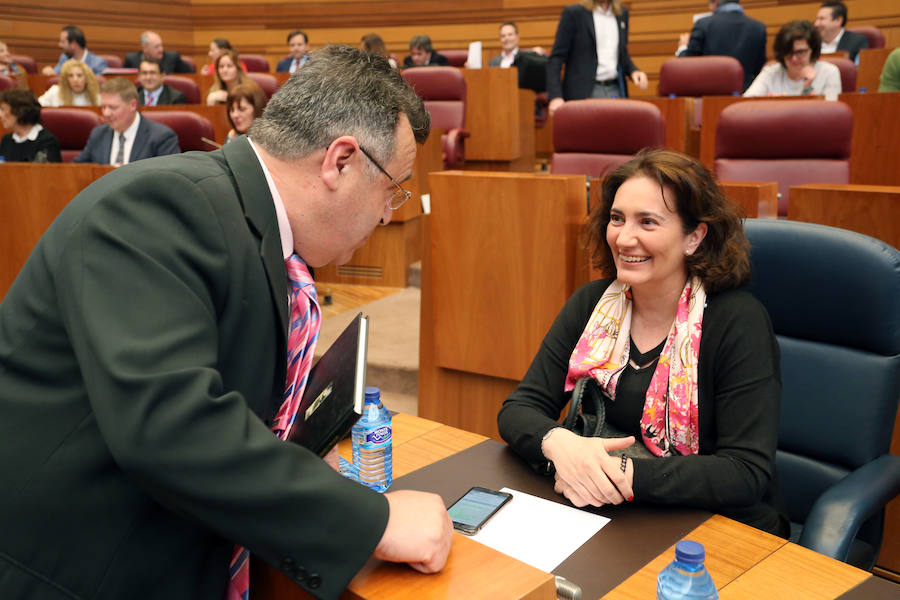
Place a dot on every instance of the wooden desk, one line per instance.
(757, 199)
(871, 63)
(875, 145)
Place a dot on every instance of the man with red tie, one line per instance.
(298, 43)
(152, 91)
(147, 361)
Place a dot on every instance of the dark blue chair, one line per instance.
(834, 299)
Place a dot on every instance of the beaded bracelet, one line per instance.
(624, 462)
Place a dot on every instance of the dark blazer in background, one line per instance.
(576, 47)
(730, 33)
(171, 62)
(435, 60)
(852, 42)
(152, 139)
(168, 95)
(143, 351)
(284, 65)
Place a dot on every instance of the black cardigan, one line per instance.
(28, 150)
(739, 396)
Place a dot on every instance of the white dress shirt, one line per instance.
(506, 60)
(833, 46)
(606, 31)
(284, 226)
(130, 135)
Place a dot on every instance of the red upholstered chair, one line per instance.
(701, 76)
(186, 85)
(112, 61)
(189, 127)
(592, 137)
(7, 83)
(789, 141)
(444, 91)
(255, 63)
(876, 38)
(26, 62)
(457, 58)
(848, 71)
(71, 126)
(266, 81)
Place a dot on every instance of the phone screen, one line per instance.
(470, 512)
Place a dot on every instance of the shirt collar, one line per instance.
(284, 225)
(730, 7)
(131, 132)
(606, 13)
(511, 53)
(30, 136)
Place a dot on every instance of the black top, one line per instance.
(739, 396)
(45, 148)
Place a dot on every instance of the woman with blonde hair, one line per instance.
(229, 73)
(77, 87)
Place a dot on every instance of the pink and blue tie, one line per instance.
(302, 337)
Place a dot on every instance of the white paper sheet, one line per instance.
(474, 61)
(539, 532)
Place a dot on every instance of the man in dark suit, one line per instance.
(298, 44)
(422, 55)
(729, 32)
(152, 91)
(152, 47)
(509, 44)
(592, 70)
(831, 21)
(126, 136)
(144, 360)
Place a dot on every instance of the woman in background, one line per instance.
(798, 72)
(216, 48)
(7, 66)
(77, 87)
(28, 141)
(245, 103)
(229, 73)
(373, 44)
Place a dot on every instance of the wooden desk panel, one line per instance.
(492, 114)
(872, 210)
(678, 115)
(871, 63)
(875, 145)
(757, 199)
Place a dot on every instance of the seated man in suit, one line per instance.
(509, 44)
(298, 43)
(728, 32)
(74, 45)
(421, 54)
(126, 136)
(152, 91)
(830, 21)
(152, 47)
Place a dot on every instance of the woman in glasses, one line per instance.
(798, 72)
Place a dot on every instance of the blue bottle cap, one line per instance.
(690, 552)
(373, 395)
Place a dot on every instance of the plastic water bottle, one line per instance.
(372, 452)
(686, 577)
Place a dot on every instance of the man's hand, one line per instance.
(48, 70)
(554, 104)
(683, 39)
(419, 531)
(640, 79)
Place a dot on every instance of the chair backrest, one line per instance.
(701, 76)
(266, 81)
(832, 296)
(26, 62)
(71, 126)
(847, 68)
(876, 38)
(113, 61)
(255, 63)
(789, 141)
(591, 137)
(7, 83)
(186, 85)
(189, 127)
(443, 89)
(457, 58)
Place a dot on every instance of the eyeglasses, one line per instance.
(799, 53)
(400, 195)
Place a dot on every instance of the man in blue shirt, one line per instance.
(73, 45)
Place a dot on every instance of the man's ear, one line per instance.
(338, 157)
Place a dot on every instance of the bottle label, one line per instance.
(379, 436)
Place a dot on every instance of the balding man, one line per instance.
(152, 47)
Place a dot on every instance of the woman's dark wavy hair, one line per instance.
(721, 261)
(797, 30)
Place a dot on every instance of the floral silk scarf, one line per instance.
(670, 422)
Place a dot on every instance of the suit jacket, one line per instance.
(284, 65)
(96, 64)
(576, 46)
(435, 60)
(152, 139)
(168, 95)
(730, 33)
(495, 61)
(143, 350)
(171, 62)
(852, 42)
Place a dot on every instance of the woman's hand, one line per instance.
(585, 473)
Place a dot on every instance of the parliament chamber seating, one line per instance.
(457, 58)
(255, 63)
(443, 89)
(832, 297)
(190, 128)
(848, 71)
(186, 85)
(7, 83)
(113, 61)
(876, 38)
(594, 136)
(71, 126)
(266, 81)
(701, 76)
(789, 141)
(26, 62)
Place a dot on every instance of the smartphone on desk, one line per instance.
(472, 511)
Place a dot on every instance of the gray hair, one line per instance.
(420, 41)
(340, 91)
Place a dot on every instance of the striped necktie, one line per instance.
(302, 337)
(120, 155)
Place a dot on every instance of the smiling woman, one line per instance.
(685, 362)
